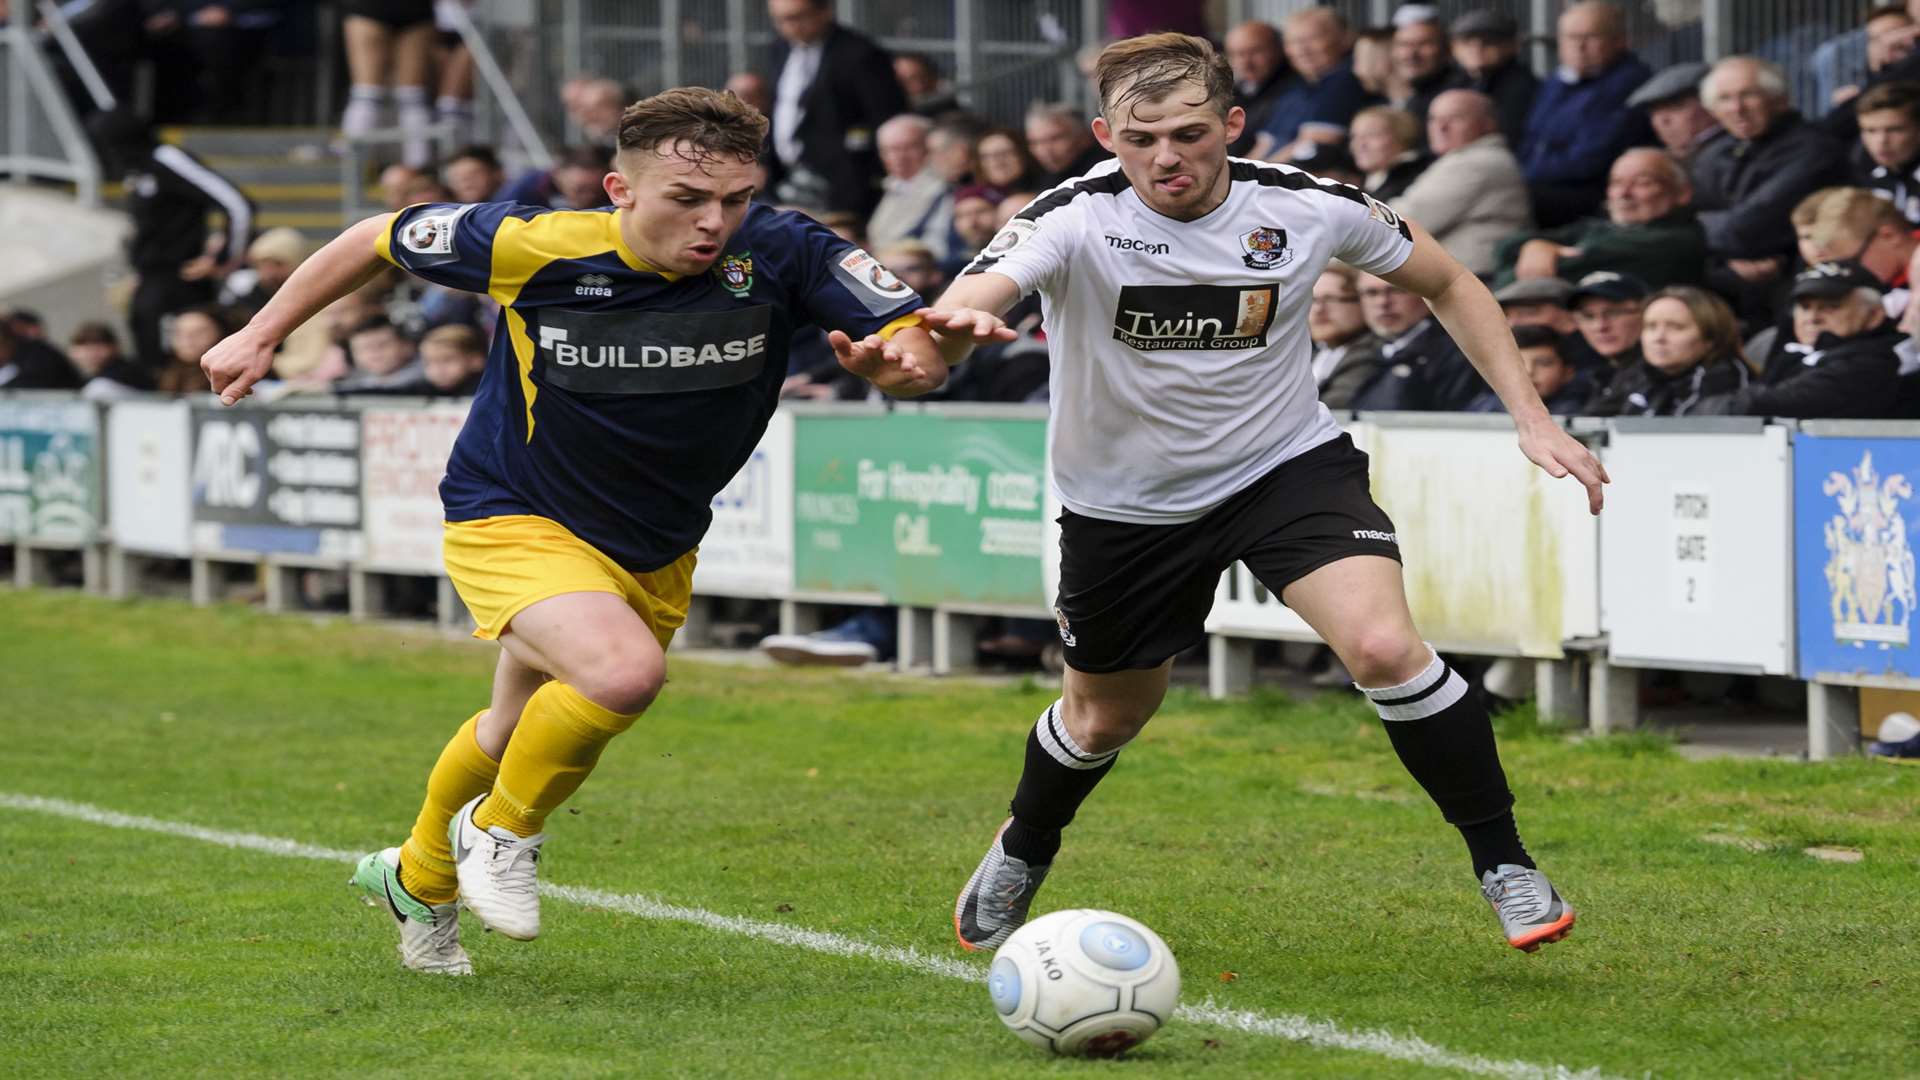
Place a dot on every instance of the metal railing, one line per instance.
(43, 139)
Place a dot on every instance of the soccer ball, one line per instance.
(1081, 982)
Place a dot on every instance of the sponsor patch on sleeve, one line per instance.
(1386, 215)
(1015, 234)
(430, 236)
(872, 284)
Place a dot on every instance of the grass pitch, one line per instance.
(1277, 846)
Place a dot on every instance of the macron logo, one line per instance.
(1376, 534)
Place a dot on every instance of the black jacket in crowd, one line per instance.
(1744, 191)
(853, 93)
(26, 364)
(1856, 377)
(1511, 86)
(1645, 390)
(1424, 372)
(1257, 105)
(1899, 186)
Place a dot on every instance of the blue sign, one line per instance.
(1856, 523)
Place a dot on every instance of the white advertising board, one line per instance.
(1500, 559)
(149, 461)
(748, 551)
(403, 457)
(1695, 563)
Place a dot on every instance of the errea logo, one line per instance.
(593, 285)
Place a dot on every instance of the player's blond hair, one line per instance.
(694, 122)
(1150, 67)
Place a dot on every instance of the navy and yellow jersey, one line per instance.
(618, 399)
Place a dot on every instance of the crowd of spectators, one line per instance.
(1665, 242)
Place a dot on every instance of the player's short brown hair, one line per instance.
(694, 122)
(1901, 96)
(1149, 67)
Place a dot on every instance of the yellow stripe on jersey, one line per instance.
(522, 246)
(523, 353)
(383, 241)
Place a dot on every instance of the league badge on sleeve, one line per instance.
(430, 236)
(736, 273)
(872, 284)
(1010, 237)
(1266, 248)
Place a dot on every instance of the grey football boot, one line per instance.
(994, 902)
(1531, 912)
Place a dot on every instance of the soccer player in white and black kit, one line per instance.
(1186, 435)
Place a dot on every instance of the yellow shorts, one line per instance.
(501, 565)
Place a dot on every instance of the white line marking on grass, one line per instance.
(1301, 1029)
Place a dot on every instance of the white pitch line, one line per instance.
(1293, 1028)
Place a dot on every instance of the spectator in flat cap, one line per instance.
(1690, 351)
(1746, 186)
(1649, 231)
(1543, 302)
(1486, 45)
(1887, 158)
(1672, 102)
(1606, 310)
(1841, 363)
(1580, 121)
(1473, 194)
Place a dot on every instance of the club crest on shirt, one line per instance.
(736, 273)
(1266, 248)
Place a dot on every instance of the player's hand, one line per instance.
(1547, 445)
(886, 364)
(236, 363)
(981, 327)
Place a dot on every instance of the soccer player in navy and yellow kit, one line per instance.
(638, 356)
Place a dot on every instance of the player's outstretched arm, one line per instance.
(1473, 319)
(912, 362)
(347, 262)
(971, 306)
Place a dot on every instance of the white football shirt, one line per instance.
(1181, 366)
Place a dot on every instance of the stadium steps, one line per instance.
(289, 172)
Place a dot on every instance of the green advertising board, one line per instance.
(49, 470)
(924, 508)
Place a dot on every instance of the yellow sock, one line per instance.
(463, 771)
(559, 739)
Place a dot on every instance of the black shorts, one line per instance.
(1133, 595)
(394, 14)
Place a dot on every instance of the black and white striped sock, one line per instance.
(1439, 726)
(1058, 777)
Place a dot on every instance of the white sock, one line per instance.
(1433, 690)
(364, 105)
(1058, 742)
(415, 118)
